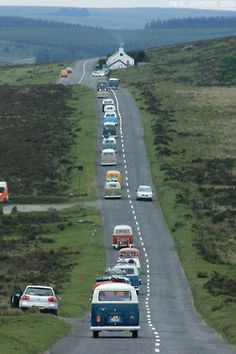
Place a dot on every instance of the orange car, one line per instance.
(64, 73)
(3, 192)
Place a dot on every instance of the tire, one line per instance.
(95, 334)
(135, 334)
(54, 312)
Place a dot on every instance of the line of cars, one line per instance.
(113, 179)
(114, 300)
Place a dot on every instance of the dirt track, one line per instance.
(7, 209)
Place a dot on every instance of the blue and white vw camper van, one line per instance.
(131, 272)
(115, 307)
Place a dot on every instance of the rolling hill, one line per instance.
(24, 39)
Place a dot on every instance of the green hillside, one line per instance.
(187, 96)
(43, 41)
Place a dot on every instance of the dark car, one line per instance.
(15, 297)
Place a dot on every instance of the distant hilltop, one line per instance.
(72, 11)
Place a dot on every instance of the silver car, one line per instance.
(41, 297)
(144, 192)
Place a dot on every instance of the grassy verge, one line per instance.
(187, 99)
(64, 249)
(84, 150)
(30, 333)
(30, 74)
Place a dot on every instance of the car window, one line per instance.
(145, 189)
(122, 232)
(39, 292)
(114, 296)
(129, 270)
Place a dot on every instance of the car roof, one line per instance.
(125, 265)
(110, 138)
(144, 186)
(114, 286)
(117, 227)
(112, 171)
(107, 100)
(110, 105)
(39, 286)
(129, 249)
(110, 112)
(108, 150)
(113, 184)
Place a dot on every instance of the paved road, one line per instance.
(169, 322)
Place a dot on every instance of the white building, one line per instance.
(119, 60)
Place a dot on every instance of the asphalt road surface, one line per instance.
(169, 322)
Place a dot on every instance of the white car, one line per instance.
(102, 73)
(41, 297)
(96, 74)
(144, 192)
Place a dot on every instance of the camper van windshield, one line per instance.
(2, 189)
(113, 82)
(123, 232)
(129, 270)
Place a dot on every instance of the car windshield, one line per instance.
(2, 189)
(39, 291)
(116, 271)
(114, 296)
(145, 189)
(122, 232)
(129, 270)
(128, 255)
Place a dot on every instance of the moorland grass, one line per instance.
(30, 74)
(54, 131)
(30, 333)
(188, 105)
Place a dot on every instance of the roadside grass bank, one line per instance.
(53, 130)
(30, 334)
(47, 131)
(62, 249)
(30, 74)
(187, 98)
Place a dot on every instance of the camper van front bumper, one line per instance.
(115, 328)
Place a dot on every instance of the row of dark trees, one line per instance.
(193, 22)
